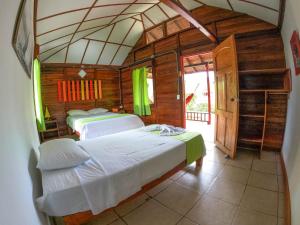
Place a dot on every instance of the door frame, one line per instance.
(182, 92)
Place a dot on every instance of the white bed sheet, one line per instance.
(104, 127)
(65, 194)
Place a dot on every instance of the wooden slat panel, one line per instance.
(50, 77)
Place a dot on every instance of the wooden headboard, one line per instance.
(109, 77)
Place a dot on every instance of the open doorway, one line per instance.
(199, 92)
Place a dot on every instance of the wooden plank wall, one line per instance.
(259, 45)
(50, 76)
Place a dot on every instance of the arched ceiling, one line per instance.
(104, 31)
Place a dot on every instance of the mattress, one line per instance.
(103, 124)
(63, 192)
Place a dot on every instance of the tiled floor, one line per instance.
(246, 191)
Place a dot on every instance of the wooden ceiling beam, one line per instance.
(188, 16)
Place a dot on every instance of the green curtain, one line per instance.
(140, 92)
(38, 96)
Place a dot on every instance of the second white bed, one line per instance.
(130, 159)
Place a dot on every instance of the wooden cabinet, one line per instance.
(263, 107)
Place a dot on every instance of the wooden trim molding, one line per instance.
(287, 219)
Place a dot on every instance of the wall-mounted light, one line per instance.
(82, 73)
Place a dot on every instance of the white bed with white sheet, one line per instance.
(119, 166)
(99, 124)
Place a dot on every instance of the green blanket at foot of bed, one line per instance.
(84, 121)
(195, 147)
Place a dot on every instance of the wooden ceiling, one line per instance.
(104, 31)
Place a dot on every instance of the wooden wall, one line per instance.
(259, 46)
(50, 76)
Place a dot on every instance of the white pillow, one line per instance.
(77, 112)
(97, 110)
(61, 153)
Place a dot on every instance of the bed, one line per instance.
(96, 125)
(117, 170)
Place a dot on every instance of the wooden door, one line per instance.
(227, 106)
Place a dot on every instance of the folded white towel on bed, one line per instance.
(165, 130)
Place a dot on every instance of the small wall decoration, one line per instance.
(23, 37)
(295, 45)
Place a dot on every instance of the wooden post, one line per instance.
(208, 95)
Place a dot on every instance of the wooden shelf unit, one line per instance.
(263, 107)
(51, 132)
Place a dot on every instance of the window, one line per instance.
(150, 84)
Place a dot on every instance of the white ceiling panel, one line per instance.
(102, 34)
(109, 2)
(57, 42)
(148, 1)
(105, 11)
(76, 51)
(56, 34)
(60, 21)
(156, 15)
(135, 34)
(121, 55)
(217, 3)
(190, 4)
(92, 52)
(52, 7)
(84, 34)
(108, 53)
(59, 57)
(95, 23)
(256, 11)
(137, 8)
(120, 30)
(168, 10)
(147, 22)
(274, 4)
(45, 54)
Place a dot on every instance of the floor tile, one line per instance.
(186, 221)
(260, 200)
(264, 166)
(212, 168)
(249, 217)
(281, 205)
(152, 213)
(263, 180)
(104, 218)
(177, 175)
(211, 211)
(215, 156)
(268, 156)
(227, 190)
(160, 187)
(131, 205)
(243, 159)
(178, 198)
(234, 174)
(118, 222)
(198, 181)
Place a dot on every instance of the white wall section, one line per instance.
(291, 146)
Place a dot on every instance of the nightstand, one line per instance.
(52, 130)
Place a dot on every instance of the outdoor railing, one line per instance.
(199, 116)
